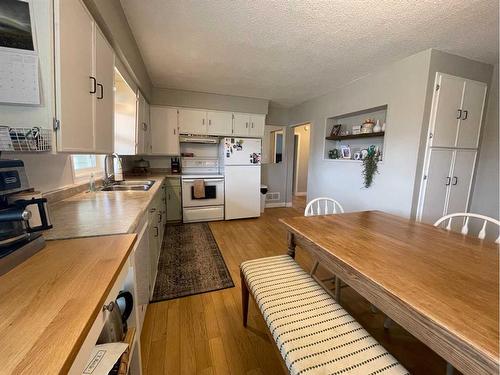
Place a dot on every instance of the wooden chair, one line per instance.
(466, 216)
(324, 206)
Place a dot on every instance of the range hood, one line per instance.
(198, 139)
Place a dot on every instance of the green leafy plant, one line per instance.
(370, 166)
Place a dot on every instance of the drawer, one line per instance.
(173, 181)
(210, 213)
(86, 349)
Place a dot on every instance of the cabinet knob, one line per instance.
(109, 307)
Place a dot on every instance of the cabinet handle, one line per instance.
(459, 113)
(252, 125)
(144, 126)
(455, 180)
(466, 114)
(174, 131)
(156, 235)
(109, 307)
(168, 196)
(159, 217)
(246, 125)
(448, 180)
(152, 210)
(102, 91)
(203, 122)
(209, 122)
(94, 85)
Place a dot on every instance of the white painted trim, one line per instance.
(289, 204)
(296, 161)
(301, 193)
(275, 205)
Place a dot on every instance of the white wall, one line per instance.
(302, 158)
(402, 86)
(485, 198)
(193, 99)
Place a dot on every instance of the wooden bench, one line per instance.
(314, 334)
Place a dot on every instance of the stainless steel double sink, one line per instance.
(134, 185)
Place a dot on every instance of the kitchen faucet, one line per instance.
(110, 178)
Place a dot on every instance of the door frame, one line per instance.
(296, 167)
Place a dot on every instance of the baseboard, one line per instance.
(275, 205)
(289, 204)
(300, 193)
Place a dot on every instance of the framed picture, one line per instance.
(335, 130)
(16, 26)
(346, 152)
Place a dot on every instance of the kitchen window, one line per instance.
(85, 165)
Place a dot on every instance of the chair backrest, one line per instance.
(465, 224)
(323, 206)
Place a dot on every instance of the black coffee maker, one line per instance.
(23, 216)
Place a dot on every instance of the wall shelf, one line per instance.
(354, 136)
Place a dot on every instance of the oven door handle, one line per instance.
(206, 180)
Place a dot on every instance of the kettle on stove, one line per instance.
(115, 328)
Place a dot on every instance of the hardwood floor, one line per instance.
(299, 202)
(203, 334)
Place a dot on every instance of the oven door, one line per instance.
(214, 193)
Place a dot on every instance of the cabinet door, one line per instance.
(142, 278)
(241, 124)
(437, 185)
(257, 123)
(104, 105)
(174, 207)
(463, 168)
(164, 131)
(448, 102)
(472, 114)
(154, 233)
(192, 121)
(141, 126)
(220, 123)
(75, 80)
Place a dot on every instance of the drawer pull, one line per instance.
(109, 307)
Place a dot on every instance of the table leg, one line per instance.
(338, 286)
(291, 245)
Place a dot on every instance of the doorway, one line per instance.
(301, 137)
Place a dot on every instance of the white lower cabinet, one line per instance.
(173, 199)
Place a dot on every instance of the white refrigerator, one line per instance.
(241, 163)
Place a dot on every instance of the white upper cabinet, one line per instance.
(219, 123)
(192, 121)
(84, 75)
(472, 114)
(143, 129)
(457, 112)
(257, 123)
(104, 109)
(241, 124)
(76, 84)
(164, 131)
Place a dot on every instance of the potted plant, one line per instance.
(370, 165)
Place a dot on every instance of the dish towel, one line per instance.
(199, 189)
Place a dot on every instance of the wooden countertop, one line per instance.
(448, 281)
(50, 302)
(101, 213)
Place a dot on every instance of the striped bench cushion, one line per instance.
(314, 334)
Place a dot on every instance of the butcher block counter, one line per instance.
(51, 303)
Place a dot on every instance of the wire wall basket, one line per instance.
(33, 139)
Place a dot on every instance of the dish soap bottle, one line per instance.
(92, 183)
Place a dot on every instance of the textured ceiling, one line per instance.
(291, 51)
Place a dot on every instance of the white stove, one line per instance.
(210, 207)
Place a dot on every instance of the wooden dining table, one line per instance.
(441, 286)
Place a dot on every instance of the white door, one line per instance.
(219, 123)
(241, 124)
(448, 104)
(164, 131)
(472, 114)
(461, 180)
(242, 192)
(257, 123)
(437, 183)
(76, 85)
(192, 121)
(104, 105)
